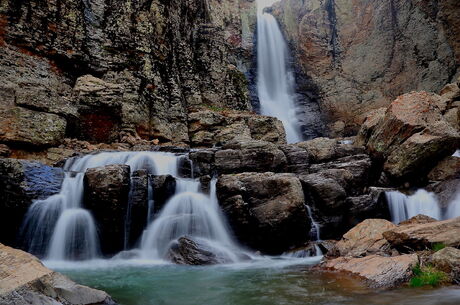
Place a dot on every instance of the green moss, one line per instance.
(438, 246)
(427, 275)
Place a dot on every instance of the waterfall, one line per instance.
(59, 228)
(274, 82)
(403, 207)
(192, 214)
(454, 208)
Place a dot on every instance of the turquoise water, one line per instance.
(265, 282)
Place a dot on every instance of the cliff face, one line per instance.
(363, 53)
(98, 69)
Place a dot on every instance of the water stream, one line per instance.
(274, 81)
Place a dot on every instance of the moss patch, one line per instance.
(428, 275)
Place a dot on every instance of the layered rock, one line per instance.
(106, 196)
(412, 136)
(263, 207)
(26, 281)
(363, 54)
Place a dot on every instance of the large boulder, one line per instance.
(186, 251)
(265, 210)
(377, 271)
(249, 156)
(106, 196)
(420, 236)
(21, 182)
(365, 239)
(412, 136)
(21, 126)
(24, 281)
(447, 260)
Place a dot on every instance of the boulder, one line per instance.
(265, 210)
(447, 260)
(203, 161)
(450, 92)
(321, 150)
(297, 158)
(249, 156)
(448, 168)
(164, 187)
(421, 236)
(371, 205)
(412, 136)
(106, 196)
(365, 239)
(377, 271)
(24, 281)
(21, 182)
(186, 251)
(21, 126)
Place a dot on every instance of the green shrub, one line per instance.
(427, 275)
(438, 246)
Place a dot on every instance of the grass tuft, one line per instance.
(427, 275)
(438, 246)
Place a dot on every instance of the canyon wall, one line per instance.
(361, 54)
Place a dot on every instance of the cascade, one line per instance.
(59, 228)
(274, 82)
(403, 207)
(454, 208)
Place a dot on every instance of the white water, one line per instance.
(403, 207)
(274, 82)
(192, 214)
(60, 229)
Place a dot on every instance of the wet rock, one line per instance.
(265, 210)
(327, 193)
(372, 205)
(377, 271)
(190, 252)
(423, 236)
(249, 156)
(365, 239)
(4, 151)
(20, 126)
(297, 158)
(164, 187)
(21, 182)
(138, 206)
(445, 191)
(106, 196)
(448, 168)
(413, 136)
(26, 281)
(203, 161)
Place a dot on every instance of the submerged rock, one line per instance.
(378, 271)
(106, 196)
(265, 210)
(24, 281)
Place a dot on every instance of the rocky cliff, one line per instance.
(100, 70)
(361, 54)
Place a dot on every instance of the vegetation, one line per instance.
(427, 275)
(438, 246)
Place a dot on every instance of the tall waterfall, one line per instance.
(59, 228)
(275, 84)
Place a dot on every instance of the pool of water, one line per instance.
(267, 281)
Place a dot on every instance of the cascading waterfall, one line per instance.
(274, 82)
(59, 228)
(192, 214)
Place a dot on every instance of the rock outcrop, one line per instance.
(377, 271)
(263, 207)
(412, 136)
(106, 196)
(362, 54)
(24, 280)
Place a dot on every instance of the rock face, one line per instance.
(108, 71)
(420, 236)
(263, 207)
(106, 196)
(361, 64)
(412, 136)
(378, 271)
(366, 238)
(26, 281)
(21, 182)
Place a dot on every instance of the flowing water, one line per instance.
(274, 81)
